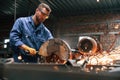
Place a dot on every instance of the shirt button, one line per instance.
(26, 36)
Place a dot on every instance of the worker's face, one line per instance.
(42, 15)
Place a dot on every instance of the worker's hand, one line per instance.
(31, 51)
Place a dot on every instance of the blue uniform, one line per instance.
(25, 32)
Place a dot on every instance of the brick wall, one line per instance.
(102, 25)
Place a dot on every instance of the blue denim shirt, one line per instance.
(25, 32)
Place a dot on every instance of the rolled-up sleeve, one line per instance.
(15, 34)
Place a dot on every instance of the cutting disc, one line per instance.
(57, 47)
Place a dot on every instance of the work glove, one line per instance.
(29, 50)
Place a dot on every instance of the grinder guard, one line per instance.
(55, 50)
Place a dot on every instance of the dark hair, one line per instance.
(43, 5)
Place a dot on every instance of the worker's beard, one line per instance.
(39, 19)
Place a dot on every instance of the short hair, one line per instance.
(43, 5)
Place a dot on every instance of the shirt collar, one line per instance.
(30, 20)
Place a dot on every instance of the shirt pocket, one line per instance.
(41, 39)
(27, 37)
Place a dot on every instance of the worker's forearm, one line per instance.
(26, 48)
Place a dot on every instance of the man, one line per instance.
(29, 33)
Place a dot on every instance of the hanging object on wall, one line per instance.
(88, 45)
